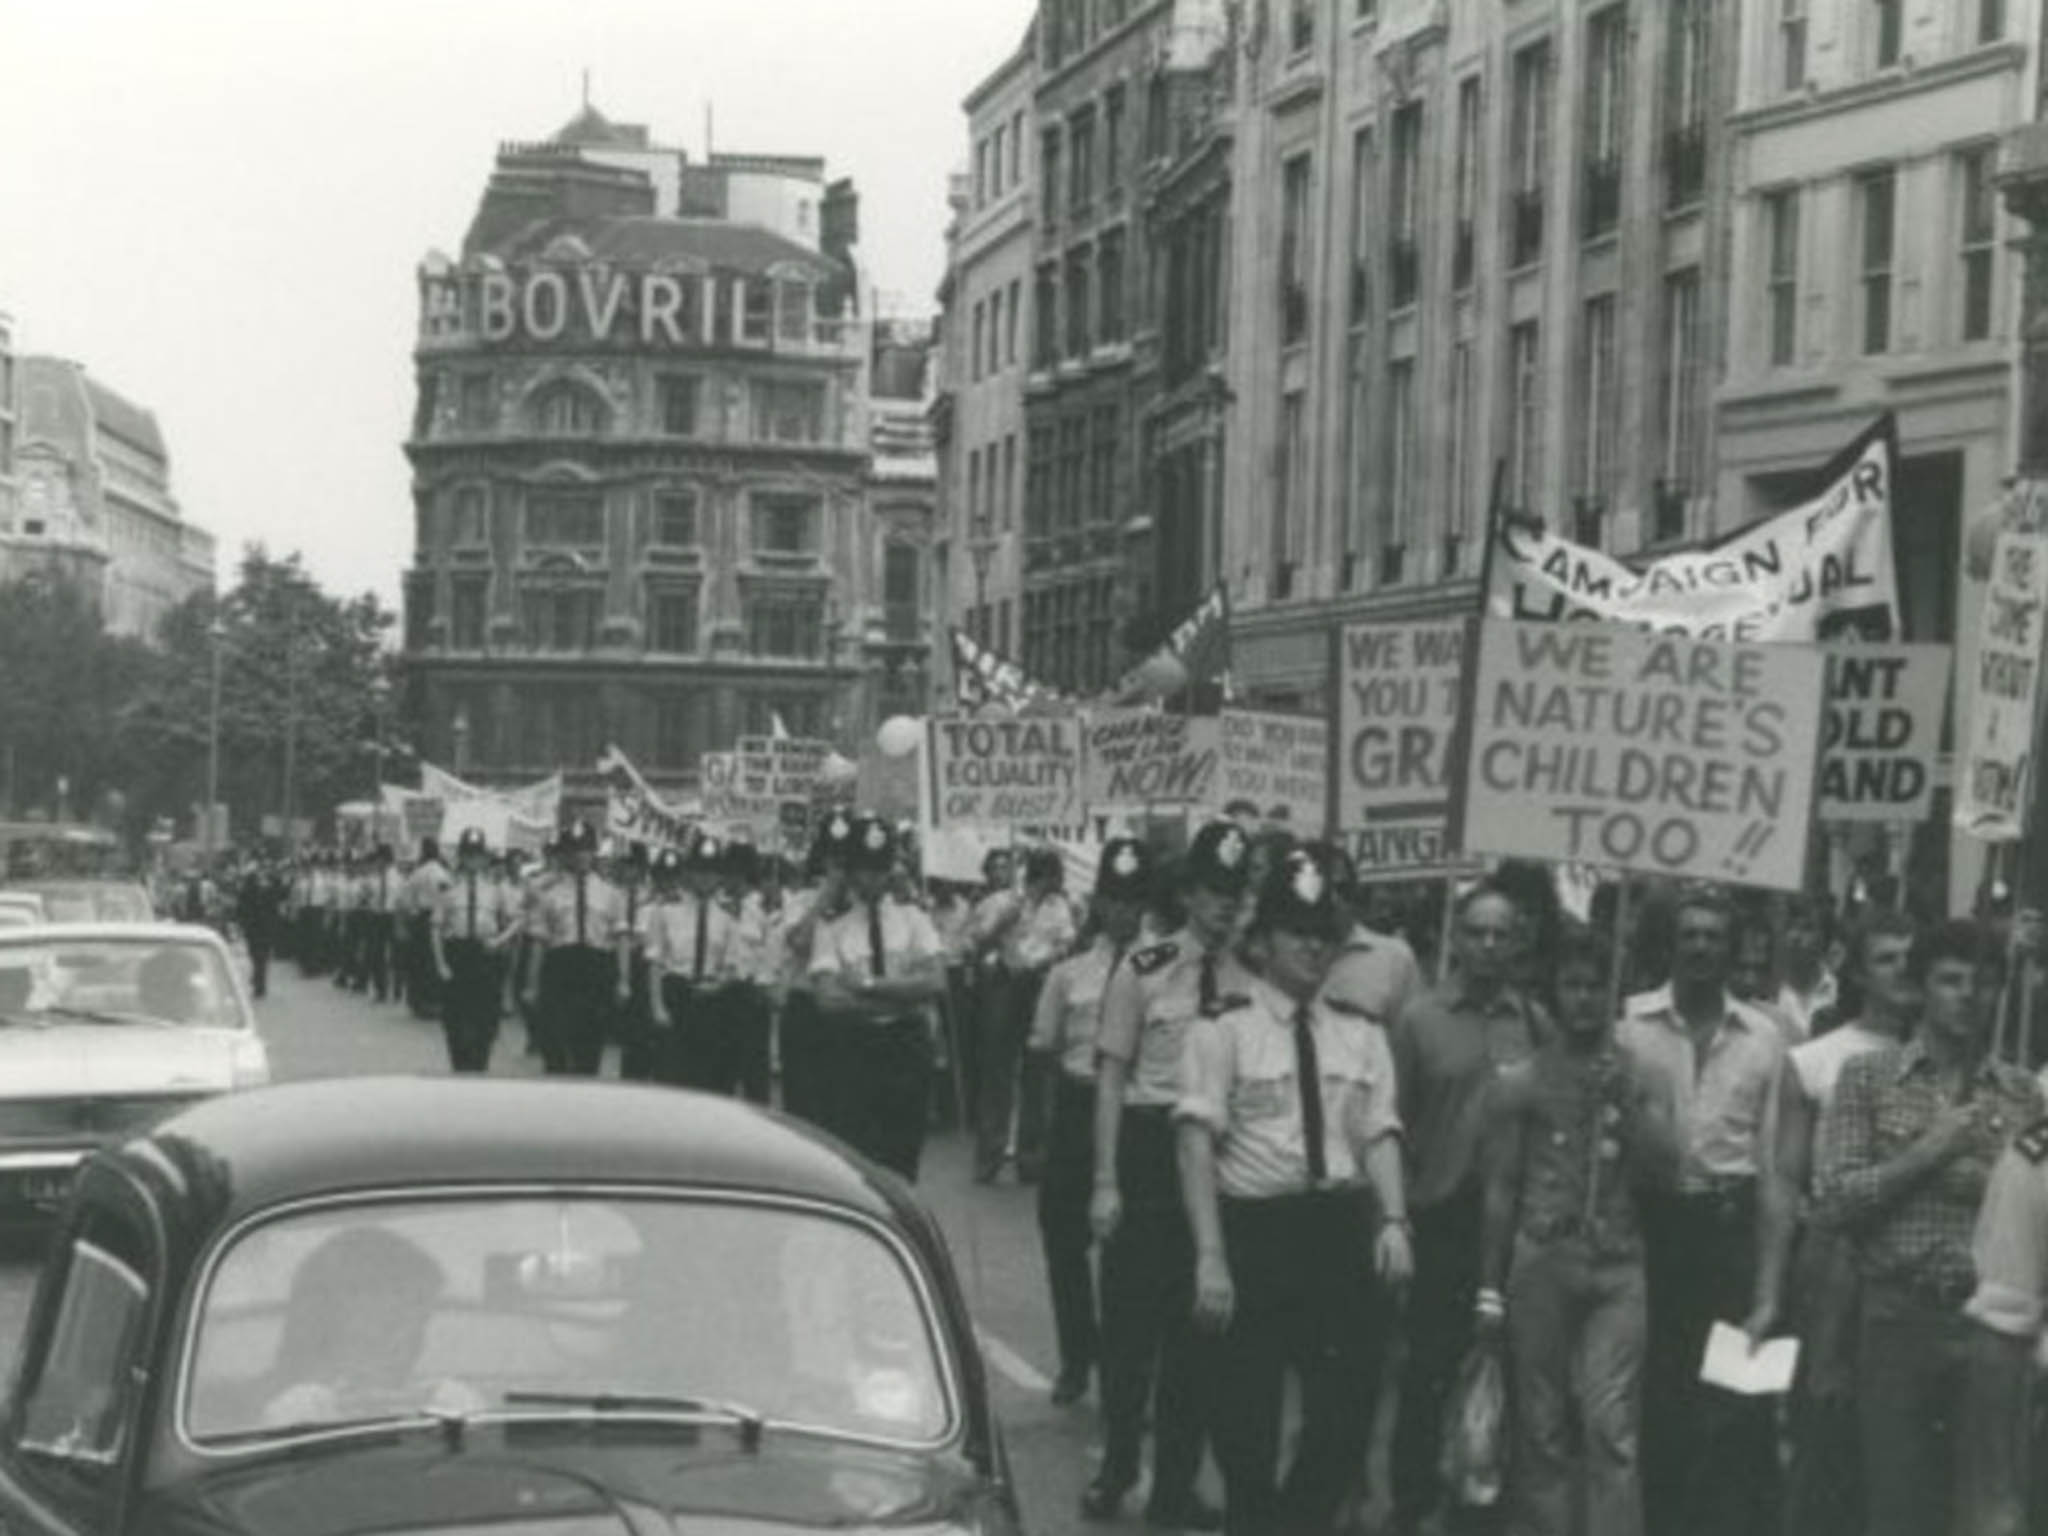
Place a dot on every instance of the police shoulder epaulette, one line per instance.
(1146, 961)
(1349, 1010)
(1229, 1002)
(2032, 1143)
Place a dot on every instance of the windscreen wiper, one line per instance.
(748, 1420)
(449, 1423)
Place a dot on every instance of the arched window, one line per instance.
(564, 409)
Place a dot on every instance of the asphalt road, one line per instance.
(313, 1031)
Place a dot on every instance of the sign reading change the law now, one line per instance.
(1652, 753)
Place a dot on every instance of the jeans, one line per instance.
(1439, 1331)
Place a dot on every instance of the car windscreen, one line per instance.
(95, 981)
(480, 1304)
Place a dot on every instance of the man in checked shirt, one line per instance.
(1905, 1154)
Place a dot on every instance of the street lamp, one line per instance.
(460, 728)
(63, 799)
(217, 633)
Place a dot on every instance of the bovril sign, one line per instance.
(596, 303)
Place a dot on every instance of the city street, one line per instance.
(313, 1031)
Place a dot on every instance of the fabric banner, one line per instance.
(1998, 758)
(531, 802)
(1398, 692)
(500, 827)
(1200, 643)
(1280, 763)
(1882, 731)
(634, 813)
(1655, 753)
(1005, 773)
(1148, 757)
(983, 678)
(1821, 571)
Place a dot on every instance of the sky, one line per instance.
(218, 205)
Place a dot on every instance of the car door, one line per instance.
(73, 1423)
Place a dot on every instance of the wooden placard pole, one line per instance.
(1617, 962)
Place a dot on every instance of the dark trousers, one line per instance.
(881, 1087)
(963, 1050)
(2005, 1431)
(1149, 1352)
(469, 1005)
(639, 1047)
(576, 1005)
(1307, 1303)
(1439, 1331)
(1824, 1481)
(377, 944)
(257, 937)
(750, 1021)
(1710, 1461)
(1063, 1225)
(310, 947)
(806, 1074)
(422, 984)
(354, 959)
(709, 1050)
(1005, 1026)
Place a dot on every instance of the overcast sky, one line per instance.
(217, 205)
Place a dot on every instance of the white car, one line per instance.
(106, 1028)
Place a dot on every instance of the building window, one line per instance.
(1113, 138)
(675, 519)
(1600, 400)
(995, 162)
(1049, 176)
(471, 528)
(1887, 32)
(1684, 402)
(981, 173)
(1038, 488)
(1109, 282)
(789, 410)
(476, 411)
(1301, 25)
(1990, 21)
(1073, 489)
(566, 410)
(785, 626)
(1102, 467)
(1081, 161)
(1361, 226)
(678, 393)
(1078, 313)
(994, 359)
(1290, 494)
(1011, 321)
(1016, 148)
(1046, 317)
(560, 618)
(974, 353)
(1525, 415)
(1294, 256)
(562, 520)
(1403, 483)
(1404, 195)
(1009, 497)
(469, 597)
(1530, 150)
(1606, 125)
(1002, 630)
(672, 621)
(793, 311)
(1464, 253)
(757, 314)
(676, 741)
(1155, 116)
(1877, 197)
(1461, 444)
(902, 593)
(1980, 240)
(1791, 44)
(560, 726)
(974, 508)
(786, 525)
(1781, 229)
(1685, 104)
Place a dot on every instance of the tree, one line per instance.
(64, 682)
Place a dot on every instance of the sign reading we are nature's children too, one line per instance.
(1653, 753)
(1397, 707)
(1006, 773)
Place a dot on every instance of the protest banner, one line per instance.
(634, 813)
(1396, 712)
(1821, 571)
(1998, 758)
(1005, 773)
(1147, 757)
(1200, 643)
(982, 677)
(738, 796)
(1881, 732)
(1655, 753)
(531, 802)
(1280, 763)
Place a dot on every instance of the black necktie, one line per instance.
(703, 929)
(1207, 994)
(1309, 1075)
(875, 951)
(472, 904)
(1116, 958)
(582, 910)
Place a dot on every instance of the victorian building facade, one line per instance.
(642, 465)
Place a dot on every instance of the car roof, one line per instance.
(125, 933)
(241, 1153)
(68, 884)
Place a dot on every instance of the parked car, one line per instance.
(412, 1305)
(88, 901)
(26, 904)
(106, 1028)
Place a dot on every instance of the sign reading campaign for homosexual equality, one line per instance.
(1006, 773)
(1654, 753)
(1991, 799)
(1819, 572)
(1881, 731)
(1280, 763)
(1147, 757)
(1397, 708)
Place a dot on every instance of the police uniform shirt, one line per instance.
(2010, 1249)
(473, 906)
(425, 886)
(555, 912)
(747, 947)
(380, 889)
(844, 944)
(672, 938)
(1239, 1079)
(1070, 1007)
(1152, 1000)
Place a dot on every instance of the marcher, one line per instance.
(879, 971)
(1905, 1155)
(1710, 1460)
(419, 900)
(258, 912)
(571, 977)
(472, 921)
(1575, 1135)
(378, 897)
(1063, 1040)
(650, 882)
(1137, 1212)
(808, 1073)
(1375, 973)
(689, 950)
(2004, 1432)
(743, 1003)
(1289, 1143)
(1808, 988)
(1448, 1045)
(1031, 930)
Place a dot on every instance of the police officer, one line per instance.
(807, 1075)
(642, 885)
(1063, 1044)
(472, 920)
(743, 1001)
(420, 899)
(690, 952)
(1291, 1159)
(2004, 1437)
(258, 911)
(1148, 1257)
(572, 975)
(348, 922)
(378, 898)
(880, 970)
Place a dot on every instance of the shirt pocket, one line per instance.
(1259, 1099)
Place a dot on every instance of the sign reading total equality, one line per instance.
(1148, 757)
(1006, 773)
(1398, 687)
(1653, 753)
(1881, 731)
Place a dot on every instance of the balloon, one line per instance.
(1163, 674)
(899, 736)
